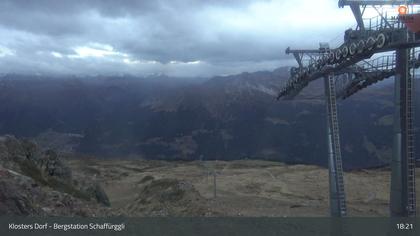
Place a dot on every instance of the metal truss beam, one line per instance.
(342, 3)
(403, 199)
(361, 44)
(336, 176)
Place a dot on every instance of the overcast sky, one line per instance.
(174, 37)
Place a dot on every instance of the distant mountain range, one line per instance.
(229, 117)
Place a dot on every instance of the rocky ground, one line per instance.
(243, 188)
(41, 182)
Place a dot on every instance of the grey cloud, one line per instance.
(153, 30)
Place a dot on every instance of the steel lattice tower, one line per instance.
(386, 34)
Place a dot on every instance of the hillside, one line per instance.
(223, 118)
(243, 188)
(37, 183)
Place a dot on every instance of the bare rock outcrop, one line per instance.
(34, 182)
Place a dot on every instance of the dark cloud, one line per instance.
(153, 36)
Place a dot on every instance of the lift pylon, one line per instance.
(335, 166)
(382, 34)
(403, 193)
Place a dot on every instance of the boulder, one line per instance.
(54, 166)
(98, 193)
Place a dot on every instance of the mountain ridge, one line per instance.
(224, 117)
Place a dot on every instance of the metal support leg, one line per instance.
(337, 195)
(403, 193)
